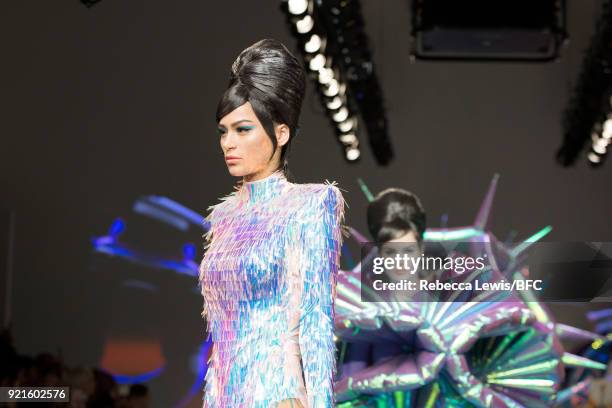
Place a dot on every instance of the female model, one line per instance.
(269, 273)
(397, 222)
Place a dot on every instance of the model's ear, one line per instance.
(282, 134)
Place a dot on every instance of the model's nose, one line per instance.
(228, 143)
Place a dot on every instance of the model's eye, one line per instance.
(388, 252)
(220, 131)
(244, 129)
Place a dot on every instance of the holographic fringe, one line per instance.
(272, 257)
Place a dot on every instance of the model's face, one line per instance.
(394, 247)
(246, 146)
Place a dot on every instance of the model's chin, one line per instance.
(235, 170)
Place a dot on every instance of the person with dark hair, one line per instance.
(397, 222)
(267, 84)
(105, 390)
(139, 396)
(395, 217)
(268, 276)
(395, 213)
(49, 370)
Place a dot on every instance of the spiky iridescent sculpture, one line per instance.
(501, 351)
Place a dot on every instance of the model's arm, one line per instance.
(320, 242)
(210, 222)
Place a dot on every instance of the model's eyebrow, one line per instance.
(238, 122)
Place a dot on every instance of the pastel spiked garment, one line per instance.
(268, 279)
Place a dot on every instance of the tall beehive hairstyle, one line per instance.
(393, 213)
(268, 76)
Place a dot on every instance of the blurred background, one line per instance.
(109, 155)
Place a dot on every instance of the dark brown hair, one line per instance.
(268, 76)
(393, 213)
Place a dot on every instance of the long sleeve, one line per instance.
(320, 242)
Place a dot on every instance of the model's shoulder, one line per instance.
(218, 210)
(315, 190)
(315, 195)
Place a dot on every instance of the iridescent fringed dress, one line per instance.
(268, 279)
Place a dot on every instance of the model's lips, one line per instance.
(231, 158)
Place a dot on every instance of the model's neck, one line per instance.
(263, 188)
